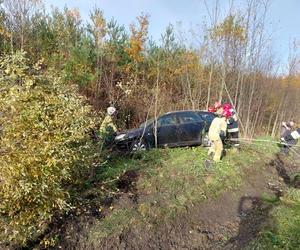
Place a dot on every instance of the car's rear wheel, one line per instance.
(138, 146)
(205, 141)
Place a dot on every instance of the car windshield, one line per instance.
(146, 123)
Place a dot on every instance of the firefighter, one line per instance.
(211, 109)
(218, 108)
(108, 128)
(232, 125)
(290, 139)
(286, 128)
(216, 133)
(206, 141)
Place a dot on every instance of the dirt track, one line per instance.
(230, 221)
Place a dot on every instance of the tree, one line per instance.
(18, 14)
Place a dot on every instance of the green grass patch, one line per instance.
(116, 222)
(283, 228)
(172, 179)
(114, 166)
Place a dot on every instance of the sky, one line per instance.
(283, 18)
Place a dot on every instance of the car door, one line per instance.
(167, 130)
(189, 128)
(207, 117)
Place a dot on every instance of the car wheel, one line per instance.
(205, 141)
(138, 146)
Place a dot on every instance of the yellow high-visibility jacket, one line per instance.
(107, 126)
(218, 124)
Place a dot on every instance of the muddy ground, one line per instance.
(229, 221)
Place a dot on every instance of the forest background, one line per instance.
(58, 74)
(232, 60)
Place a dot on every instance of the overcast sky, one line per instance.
(283, 16)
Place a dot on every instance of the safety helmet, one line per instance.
(227, 106)
(111, 110)
(226, 113)
(211, 109)
(217, 105)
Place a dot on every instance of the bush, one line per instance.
(44, 141)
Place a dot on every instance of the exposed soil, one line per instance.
(229, 221)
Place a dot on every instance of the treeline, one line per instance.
(49, 61)
(232, 60)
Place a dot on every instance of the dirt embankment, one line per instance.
(229, 221)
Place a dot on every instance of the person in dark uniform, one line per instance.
(289, 139)
(286, 128)
(232, 126)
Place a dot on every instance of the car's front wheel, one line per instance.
(138, 145)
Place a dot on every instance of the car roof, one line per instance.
(184, 111)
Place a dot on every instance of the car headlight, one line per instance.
(120, 137)
(130, 136)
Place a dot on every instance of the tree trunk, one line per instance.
(209, 86)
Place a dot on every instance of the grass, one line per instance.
(173, 179)
(116, 222)
(282, 230)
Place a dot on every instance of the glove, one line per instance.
(222, 135)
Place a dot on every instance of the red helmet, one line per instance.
(226, 113)
(227, 106)
(217, 105)
(211, 109)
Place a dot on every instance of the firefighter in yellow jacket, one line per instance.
(218, 108)
(108, 128)
(217, 131)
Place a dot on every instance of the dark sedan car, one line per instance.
(179, 128)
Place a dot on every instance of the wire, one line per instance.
(291, 147)
(260, 140)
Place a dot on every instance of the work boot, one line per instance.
(208, 165)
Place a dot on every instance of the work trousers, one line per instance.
(286, 147)
(216, 148)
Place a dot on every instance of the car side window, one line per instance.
(167, 120)
(207, 117)
(188, 118)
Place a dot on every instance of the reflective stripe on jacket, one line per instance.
(232, 130)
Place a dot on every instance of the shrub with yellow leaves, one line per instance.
(43, 144)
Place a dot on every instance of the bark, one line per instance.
(209, 85)
(156, 106)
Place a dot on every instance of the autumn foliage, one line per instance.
(52, 64)
(43, 143)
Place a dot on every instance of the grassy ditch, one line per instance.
(170, 180)
(282, 229)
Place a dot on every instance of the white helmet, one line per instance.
(111, 110)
